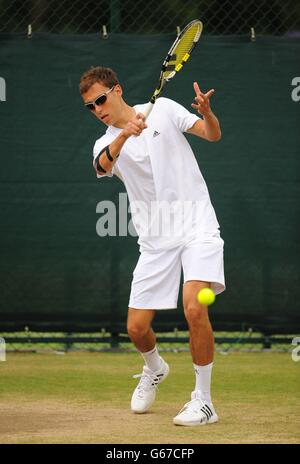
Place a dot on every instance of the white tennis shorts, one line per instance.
(156, 277)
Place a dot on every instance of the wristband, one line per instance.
(98, 165)
(107, 152)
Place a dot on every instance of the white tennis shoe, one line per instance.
(196, 412)
(144, 394)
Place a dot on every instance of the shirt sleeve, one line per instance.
(182, 118)
(99, 145)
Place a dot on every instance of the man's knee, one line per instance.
(137, 330)
(139, 323)
(196, 314)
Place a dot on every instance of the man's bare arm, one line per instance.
(207, 128)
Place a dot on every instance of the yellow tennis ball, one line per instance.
(206, 296)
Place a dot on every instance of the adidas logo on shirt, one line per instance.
(155, 133)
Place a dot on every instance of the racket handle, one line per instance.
(148, 109)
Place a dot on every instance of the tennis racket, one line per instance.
(176, 58)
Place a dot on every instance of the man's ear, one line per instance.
(119, 89)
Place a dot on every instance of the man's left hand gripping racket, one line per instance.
(177, 56)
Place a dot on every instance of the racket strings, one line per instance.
(178, 54)
(182, 50)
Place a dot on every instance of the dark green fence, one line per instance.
(56, 274)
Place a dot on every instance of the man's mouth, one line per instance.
(103, 117)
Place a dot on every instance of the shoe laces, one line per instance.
(147, 382)
(193, 407)
(197, 406)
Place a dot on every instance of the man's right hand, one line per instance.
(135, 126)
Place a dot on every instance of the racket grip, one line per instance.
(148, 109)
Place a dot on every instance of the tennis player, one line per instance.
(175, 222)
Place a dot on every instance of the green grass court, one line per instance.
(85, 398)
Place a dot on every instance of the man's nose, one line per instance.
(98, 109)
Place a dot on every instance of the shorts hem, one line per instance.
(216, 286)
(156, 307)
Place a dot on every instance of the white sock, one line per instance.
(152, 359)
(203, 381)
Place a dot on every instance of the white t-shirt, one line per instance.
(168, 196)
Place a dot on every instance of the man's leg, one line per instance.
(142, 336)
(200, 410)
(156, 369)
(201, 334)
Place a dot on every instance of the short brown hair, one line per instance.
(99, 74)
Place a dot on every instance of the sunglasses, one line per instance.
(99, 100)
